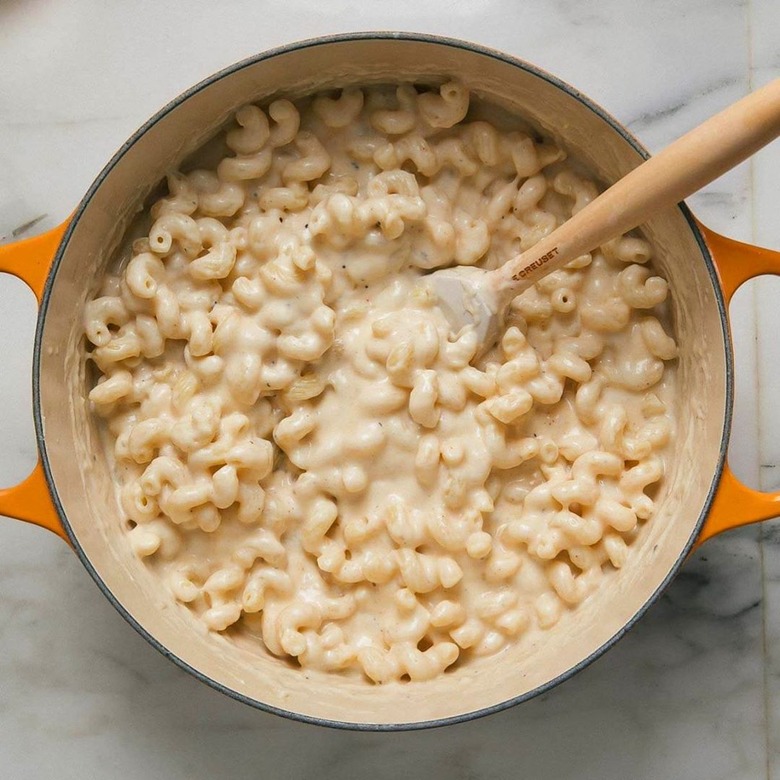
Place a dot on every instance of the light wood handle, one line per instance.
(683, 167)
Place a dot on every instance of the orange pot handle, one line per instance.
(30, 260)
(736, 504)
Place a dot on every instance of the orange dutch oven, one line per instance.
(70, 491)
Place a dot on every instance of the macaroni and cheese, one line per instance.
(306, 455)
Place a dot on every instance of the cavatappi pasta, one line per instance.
(306, 455)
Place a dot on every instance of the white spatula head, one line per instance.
(467, 298)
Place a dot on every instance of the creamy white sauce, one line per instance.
(306, 455)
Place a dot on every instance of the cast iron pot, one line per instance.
(70, 491)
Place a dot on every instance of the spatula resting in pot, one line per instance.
(472, 296)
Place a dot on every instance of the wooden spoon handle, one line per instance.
(683, 167)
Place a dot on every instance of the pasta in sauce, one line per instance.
(306, 455)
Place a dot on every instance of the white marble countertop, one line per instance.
(692, 692)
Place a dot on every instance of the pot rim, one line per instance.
(313, 43)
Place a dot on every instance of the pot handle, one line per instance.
(30, 260)
(736, 504)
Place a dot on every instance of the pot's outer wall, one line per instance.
(82, 484)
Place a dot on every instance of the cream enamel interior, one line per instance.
(80, 471)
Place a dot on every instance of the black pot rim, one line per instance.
(313, 43)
